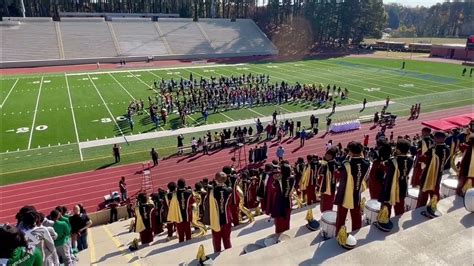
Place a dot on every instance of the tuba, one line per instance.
(242, 208)
(195, 222)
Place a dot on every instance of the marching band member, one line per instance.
(233, 181)
(423, 145)
(327, 186)
(143, 218)
(308, 180)
(250, 190)
(159, 212)
(377, 171)
(180, 210)
(219, 202)
(436, 160)
(265, 188)
(466, 169)
(283, 185)
(351, 175)
(395, 185)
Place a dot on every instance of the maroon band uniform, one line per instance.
(442, 152)
(404, 164)
(186, 201)
(328, 191)
(359, 168)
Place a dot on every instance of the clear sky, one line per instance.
(412, 3)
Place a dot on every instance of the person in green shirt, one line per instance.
(62, 242)
(15, 250)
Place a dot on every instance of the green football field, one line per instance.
(44, 117)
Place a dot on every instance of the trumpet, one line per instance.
(195, 221)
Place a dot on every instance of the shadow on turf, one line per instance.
(105, 166)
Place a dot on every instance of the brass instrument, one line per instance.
(298, 200)
(456, 161)
(195, 221)
(242, 208)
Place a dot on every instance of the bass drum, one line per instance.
(469, 200)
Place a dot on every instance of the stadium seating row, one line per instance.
(74, 38)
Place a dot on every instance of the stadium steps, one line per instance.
(163, 38)
(411, 229)
(114, 38)
(60, 40)
(105, 249)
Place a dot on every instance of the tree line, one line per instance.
(448, 19)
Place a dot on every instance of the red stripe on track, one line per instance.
(88, 188)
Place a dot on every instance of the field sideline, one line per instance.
(64, 110)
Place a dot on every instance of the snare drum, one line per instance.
(448, 187)
(328, 224)
(371, 211)
(411, 199)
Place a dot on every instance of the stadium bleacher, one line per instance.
(138, 37)
(28, 40)
(75, 39)
(184, 36)
(228, 37)
(87, 38)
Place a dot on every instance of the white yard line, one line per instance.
(151, 69)
(227, 116)
(73, 117)
(105, 104)
(120, 84)
(284, 109)
(1, 105)
(251, 110)
(153, 74)
(34, 116)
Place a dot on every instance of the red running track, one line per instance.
(89, 188)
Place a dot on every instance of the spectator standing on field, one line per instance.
(123, 188)
(302, 137)
(154, 156)
(280, 153)
(116, 153)
(180, 144)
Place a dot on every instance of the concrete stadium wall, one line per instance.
(65, 62)
(446, 52)
(103, 217)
